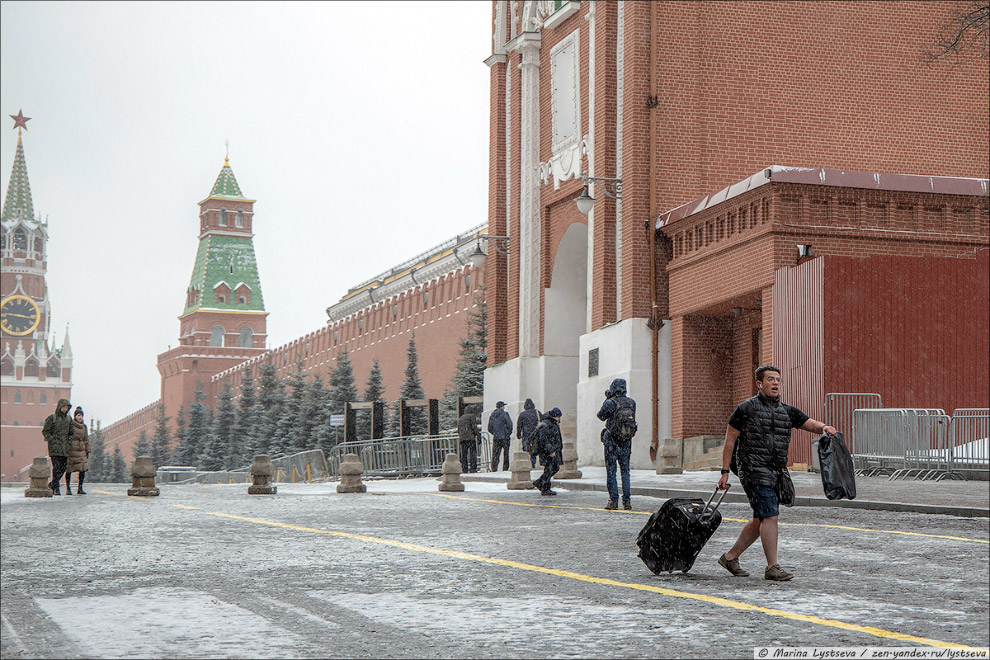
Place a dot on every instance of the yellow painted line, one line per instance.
(546, 506)
(186, 506)
(107, 492)
(742, 520)
(674, 593)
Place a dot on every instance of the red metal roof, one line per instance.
(945, 185)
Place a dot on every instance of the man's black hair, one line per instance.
(762, 369)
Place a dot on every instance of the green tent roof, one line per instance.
(228, 259)
(18, 201)
(226, 185)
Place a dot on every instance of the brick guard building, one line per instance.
(689, 100)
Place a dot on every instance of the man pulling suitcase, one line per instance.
(756, 442)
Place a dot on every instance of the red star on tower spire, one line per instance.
(20, 121)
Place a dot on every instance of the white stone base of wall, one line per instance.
(548, 380)
(624, 350)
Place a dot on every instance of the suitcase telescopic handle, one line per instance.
(717, 504)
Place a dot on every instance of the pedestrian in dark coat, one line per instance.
(759, 435)
(58, 434)
(526, 423)
(617, 439)
(468, 433)
(78, 454)
(551, 446)
(500, 426)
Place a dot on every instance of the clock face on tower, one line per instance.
(19, 315)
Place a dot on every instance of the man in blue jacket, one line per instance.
(619, 414)
(500, 426)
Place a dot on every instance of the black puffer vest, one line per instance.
(761, 449)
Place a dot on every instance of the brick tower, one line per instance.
(224, 319)
(34, 375)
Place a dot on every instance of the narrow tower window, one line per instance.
(223, 218)
(216, 335)
(245, 339)
(239, 219)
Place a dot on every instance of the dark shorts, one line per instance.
(763, 500)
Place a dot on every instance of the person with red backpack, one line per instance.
(619, 414)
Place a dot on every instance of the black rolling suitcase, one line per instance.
(674, 535)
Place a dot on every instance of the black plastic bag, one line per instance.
(838, 473)
(785, 488)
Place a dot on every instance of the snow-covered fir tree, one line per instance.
(412, 388)
(216, 452)
(271, 397)
(118, 469)
(143, 446)
(246, 427)
(469, 375)
(98, 463)
(374, 391)
(197, 428)
(161, 439)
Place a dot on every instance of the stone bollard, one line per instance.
(519, 468)
(452, 474)
(351, 470)
(569, 469)
(261, 472)
(669, 460)
(39, 478)
(143, 478)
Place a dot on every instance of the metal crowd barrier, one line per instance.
(420, 455)
(914, 442)
(305, 466)
(839, 407)
(970, 432)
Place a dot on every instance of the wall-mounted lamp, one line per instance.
(610, 186)
(500, 243)
(805, 251)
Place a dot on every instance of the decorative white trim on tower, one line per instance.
(528, 44)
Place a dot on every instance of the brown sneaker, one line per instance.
(612, 505)
(777, 574)
(627, 505)
(732, 565)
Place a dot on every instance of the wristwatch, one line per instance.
(724, 471)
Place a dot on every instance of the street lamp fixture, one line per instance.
(612, 187)
(500, 243)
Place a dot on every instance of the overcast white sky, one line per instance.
(361, 129)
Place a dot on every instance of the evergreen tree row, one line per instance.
(285, 416)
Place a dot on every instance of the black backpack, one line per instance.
(533, 441)
(622, 424)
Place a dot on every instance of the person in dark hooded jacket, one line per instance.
(551, 446)
(468, 434)
(619, 414)
(757, 439)
(500, 426)
(58, 434)
(526, 423)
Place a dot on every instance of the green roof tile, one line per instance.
(226, 185)
(228, 259)
(18, 201)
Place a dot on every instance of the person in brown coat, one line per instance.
(78, 454)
